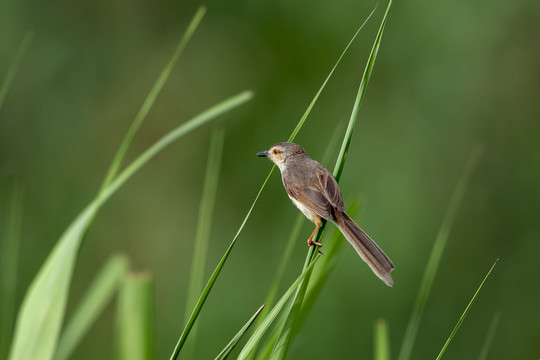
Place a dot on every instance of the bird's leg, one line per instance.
(310, 240)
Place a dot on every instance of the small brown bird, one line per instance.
(316, 193)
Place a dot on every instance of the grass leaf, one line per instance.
(456, 328)
(136, 318)
(204, 223)
(8, 267)
(98, 295)
(280, 272)
(382, 342)
(435, 256)
(326, 266)
(287, 330)
(285, 258)
(6, 84)
(340, 163)
(151, 97)
(217, 270)
(308, 110)
(42, 310)
(230, 346)
(259, 332)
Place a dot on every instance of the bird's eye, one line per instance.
(275, 151)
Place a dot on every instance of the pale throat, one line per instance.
(280, 165)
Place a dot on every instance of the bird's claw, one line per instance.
(311, 242)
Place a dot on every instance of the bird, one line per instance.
(315, 192)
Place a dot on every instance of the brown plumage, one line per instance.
(316, 193)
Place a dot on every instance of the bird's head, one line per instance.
(281, 152)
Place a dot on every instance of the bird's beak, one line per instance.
(262, 153)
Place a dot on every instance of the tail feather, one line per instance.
(372, 254)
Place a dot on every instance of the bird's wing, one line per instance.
(329, 187)
(320, 197)
(313, 199)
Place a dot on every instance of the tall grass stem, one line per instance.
(135, 335)
(151, 98)
(287, 330)
(99, 294)
(204, 225)
(460, 321)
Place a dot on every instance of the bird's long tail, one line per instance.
(366, 248)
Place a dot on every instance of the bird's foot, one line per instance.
(311, 242)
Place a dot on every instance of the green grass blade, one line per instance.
(204, 225)
(308, 110)
(8, 267)
(231, 345)
(287, 330)
(259, 332)
(435, 257)
(98, 295)
(319, 277)
(267, 348)
(204, 295)
(310, 298)
(215, 274)
(382, 342)
(217, 270)
(42, 310)
(136, 318)
(456, 328)
(151, 98)
(293, 238)
(489, 336)
(286, 255)
(6, 84)
(326, 267)
(340, 163)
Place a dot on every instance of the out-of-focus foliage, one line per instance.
(448, 76)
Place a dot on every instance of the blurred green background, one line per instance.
(449, 75)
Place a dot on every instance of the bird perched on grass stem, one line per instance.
(316, 193)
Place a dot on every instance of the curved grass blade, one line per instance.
(231, 345)
(42, 310)
(490, 336)
(151, 98)
(340, 163)
(8, 267)
(435, 256)
(325, 268)
(456, 328)
(204, 225)
(308, 110)
(293, 238)
(212, 280)
(280, 272)
(259, 332)
(136, 318)
(320, 274)
(266, 350)
(287, 330)
(218, 268)
(6, 84)
(382, 342)
(319, 278)
(98, 295)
